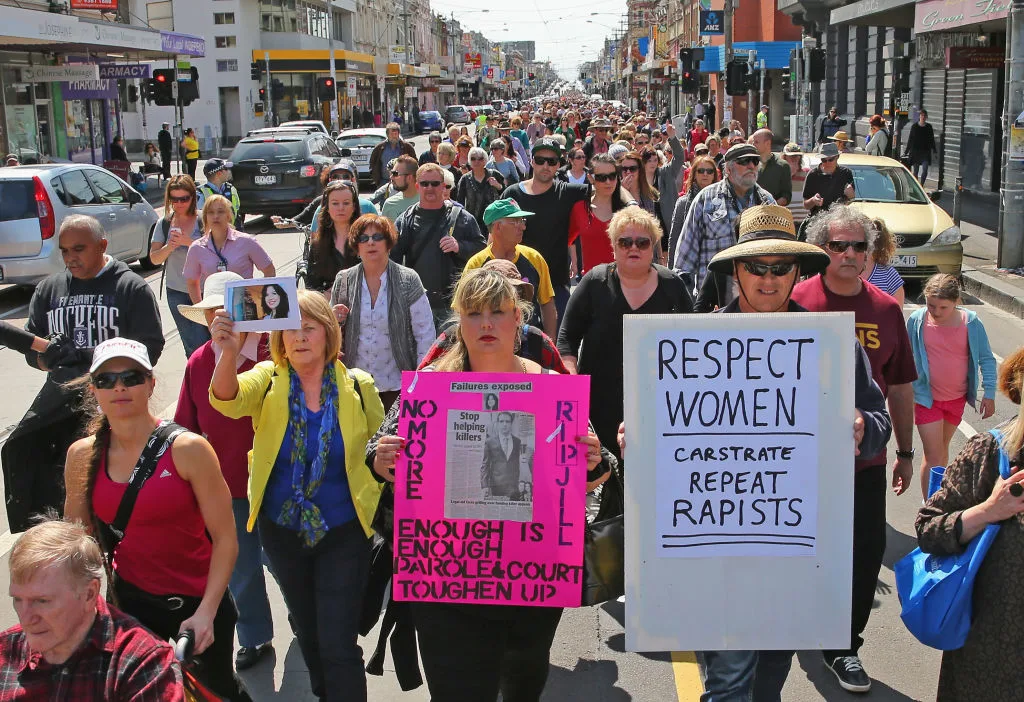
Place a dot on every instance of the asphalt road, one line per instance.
(588, 658)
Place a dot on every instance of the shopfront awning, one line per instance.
(944, 15)
(34, 30)
(314, 60)
(775, 54)
(407, 69)
(876, 13)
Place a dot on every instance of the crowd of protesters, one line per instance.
(464, 260)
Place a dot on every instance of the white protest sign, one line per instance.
(739, 481)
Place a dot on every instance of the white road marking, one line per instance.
(14, 312)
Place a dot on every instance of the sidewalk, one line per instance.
(979, 221)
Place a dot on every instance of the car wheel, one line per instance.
(145, 261)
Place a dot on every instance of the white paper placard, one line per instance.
(263, 304)
(739, 481)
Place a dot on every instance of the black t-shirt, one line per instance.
(548, 229)
(830, 187)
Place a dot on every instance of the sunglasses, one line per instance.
(130, 378)
(641, 143)
(705, 171)
(748, 161)
(836, 246)
(430, 183)
(186, 198)
(546, 160)
(367, 238)
(626, 243)
(342, 176)
(762, 269)
(578, 157)
(395, 174)
(497, 148)
(629, 169)
(604, 177)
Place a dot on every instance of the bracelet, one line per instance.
(905, 454)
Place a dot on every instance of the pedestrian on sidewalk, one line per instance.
(831, 124)
(878, 138)
(190, 148)
(950, 345)
(166, 144)
(921, 145)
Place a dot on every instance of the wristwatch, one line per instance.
(905, 454)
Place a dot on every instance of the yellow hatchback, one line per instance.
(928, 240)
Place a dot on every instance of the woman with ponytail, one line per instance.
(172, 558)
(972, 496)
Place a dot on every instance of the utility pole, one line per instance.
(405, 48)
(751, 92)
(334, 75)
(1011, 201)
(268, 113)
(727, 14)
(455, 63)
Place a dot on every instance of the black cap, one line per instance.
(547, 143)
(739, 151)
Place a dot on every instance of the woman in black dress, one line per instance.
(590, 339)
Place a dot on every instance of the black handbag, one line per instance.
(604, 547)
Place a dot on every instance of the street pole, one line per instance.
(455, 65)
(1010, 252)
(761, 94)
(751, 94)
(727, 14)
(334, 75)
(268, 108)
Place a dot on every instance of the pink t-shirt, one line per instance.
(240, 254)
(948, 356)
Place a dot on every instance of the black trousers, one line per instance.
(323, 588)
(217, 662)
(165, 162)
(190, 167)
(471, 652)
(869, 486)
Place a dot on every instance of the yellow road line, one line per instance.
(688, 684)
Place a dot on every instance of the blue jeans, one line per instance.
(192, 335)
(743, 676)
(920, 169)
(249, 588)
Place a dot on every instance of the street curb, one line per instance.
(995, 292)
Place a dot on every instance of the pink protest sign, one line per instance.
(490, 489)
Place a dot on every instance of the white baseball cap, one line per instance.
(119, 347)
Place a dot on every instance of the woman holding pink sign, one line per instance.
(470, 651)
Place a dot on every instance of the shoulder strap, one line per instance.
(165, 227)
(1004, 460)
(159, 441)
(358, 389)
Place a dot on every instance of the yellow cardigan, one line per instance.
(269, 412)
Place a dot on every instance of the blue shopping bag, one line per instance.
(936, 591)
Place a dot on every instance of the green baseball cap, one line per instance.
(500, 209)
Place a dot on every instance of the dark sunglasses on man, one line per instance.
(762, 269)
(546, 160)
(838, 246)
(748, 161)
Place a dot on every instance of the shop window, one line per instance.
(79, 192)
(227, 65)
(107, 187)
(223, 17)
(224, 42)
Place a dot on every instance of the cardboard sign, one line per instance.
(739, 496)
(490, 489)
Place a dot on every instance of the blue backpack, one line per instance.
(936, 591)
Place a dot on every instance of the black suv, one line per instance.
(278, 171)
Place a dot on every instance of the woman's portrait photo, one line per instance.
(274, 302)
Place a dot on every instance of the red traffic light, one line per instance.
(161, 78)
(328, 82)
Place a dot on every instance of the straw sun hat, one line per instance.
(767, 230)
(213, 297)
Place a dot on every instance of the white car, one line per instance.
(314, 123)
(360, 143)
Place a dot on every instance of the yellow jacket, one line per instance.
(191, 147)
(269, 412)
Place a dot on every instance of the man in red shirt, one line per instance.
(848, 236)
(70, 645)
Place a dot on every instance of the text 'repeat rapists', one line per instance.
(490, 489)
(737, 453)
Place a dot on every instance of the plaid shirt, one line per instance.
(707, 228)
(537, 346)
(119, 660)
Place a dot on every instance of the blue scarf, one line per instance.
(307, 477)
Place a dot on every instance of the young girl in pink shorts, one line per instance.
(950, 345)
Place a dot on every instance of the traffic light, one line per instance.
(736, 77)
(325, 89)
(685, 61)
(530, 75)
(133, 94)
(688, 82)
(263, 94)
(816, 67)
(188, 90)
(254, 70)
(161, 89)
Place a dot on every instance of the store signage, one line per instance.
(89, 90)
(93, 4)
(975, 57)
(350, 87)
(711, 23)
(938, 15)
(396, 53)
(184, 44)
(59, 74)
(471, 60)
(124, 71)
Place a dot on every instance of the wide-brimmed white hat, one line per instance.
(213, 297)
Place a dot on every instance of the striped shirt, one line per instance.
(886, 277)
(707, 228)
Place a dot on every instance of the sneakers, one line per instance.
(248, 657)
(850, 673)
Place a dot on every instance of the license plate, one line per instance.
(360, 158)
(904, 262)
(265, 179)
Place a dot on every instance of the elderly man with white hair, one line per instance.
(69, 643)
(479, 187)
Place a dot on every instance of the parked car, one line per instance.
(457, 114)
(317, 124)
(35, 199)
(928, 241)
(429, 121)
(360, 143)
(279, 172)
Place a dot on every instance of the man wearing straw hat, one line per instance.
(765, 265)
(842, 141)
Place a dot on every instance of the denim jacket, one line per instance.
(980, 351)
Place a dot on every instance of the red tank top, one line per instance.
(165, 550)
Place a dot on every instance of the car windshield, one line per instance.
(348, 141)
(886, 184)
(273, 151)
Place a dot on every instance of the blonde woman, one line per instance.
(878, 272)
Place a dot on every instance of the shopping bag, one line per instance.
(936, 591)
